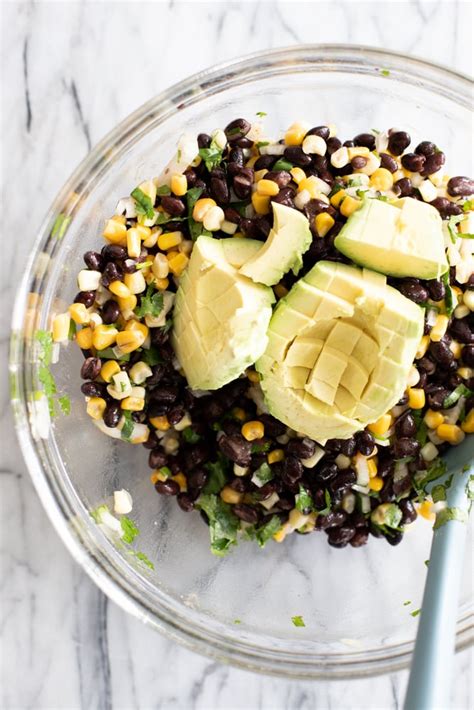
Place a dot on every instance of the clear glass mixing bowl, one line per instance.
(351, 600)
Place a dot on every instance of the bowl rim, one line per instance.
(336, 57)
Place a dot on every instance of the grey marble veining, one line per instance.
(70, 72)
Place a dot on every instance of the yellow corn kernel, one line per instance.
(180, 479)
(261, 203)
(259, 175)
(150, 241)
(149, 189)
(179, 185)
(253, 376)
(381, 179)
(372, 467)
(422, 347)
(381, 426)
(168, 240)
(128, 303)
(109, 369)
(456, 349)
(416, 398)
(61, 327)
(295, 134)
(376, 483)
(137, 326)
(358, 150)
(253, 430)
(433, 419)
(468, 424)
(426, 510)
(338, 197)
(130, 340)
(115, 232)
(440, 327)
(160, 423)
(465, 372)
(228, 495)
(267, 187)
(275, 456)
(84, 338)
(135, 282)
(79, 313)
(298, 174)
(323, 222)
(282, 533)
(178, 264)
(349, 205)
(251, 161)
(104, 336)
(133, 404)
(162, 284)
(239, 413)
(201, 207)
(280, 291)
(96, 407)
(171, 255)
(119, 289)
(451, 433)
(134, 243)
(156, 476)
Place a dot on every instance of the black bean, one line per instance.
(349, 144)
(405, 426)
(365, 442)
(157, 458)
(467, 355)
(93, 389)
(367, 140)
(332, 520)
(425, 364)
(167, 488)
(129, 266)
(285, 503)
(273, 427)
(113, 252)
(302, 448)
(405, 447)
(327, 472)
(408, 510)
(441, 352)
(413, 162)
(387, 162)
(198, 478)
(403, 187)
(232, 215)
(333, 144)
(267, 490)
(284, 197)
(394, 538)
(236, 448)
(321, 131)
(412, 289)
(425, 148)
(319, 163)
(93, 260)
(195, 455)
(360, 538)
(343, 480)
(315, 206)
(398, 142)
(238, 128)
(375, 531)
(112, 415)
(385, 467)
(436, 396)
(175, 414)
(85, 297)
(462, 331)
(110, 312)
(165, 393)
(172, 205)
(204, 141)
(190, 176)
(242, 186)
(348, 446)
(436, 289)
(281, 177)
(220, 190)
(460, 186)
(245, 513)
(111, 273)
(91, 368)
(339, 537)
(264, 162)
(292, 470)
(152, 441)
(185, 502)
(296, 155)
(244, 142)
(433, 163)
(358, 162)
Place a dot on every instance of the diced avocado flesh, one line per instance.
(288, 240)
(238, 250)
(401, 238)
(340, 365)
(220, 318)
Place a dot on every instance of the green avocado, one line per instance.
(401, 238)
(220, 318)
(289, 239)
(340, 347)
(238, 250)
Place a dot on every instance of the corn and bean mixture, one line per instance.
(221, 452)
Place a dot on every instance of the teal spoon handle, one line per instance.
(433, 658)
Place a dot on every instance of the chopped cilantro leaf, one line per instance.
(460, 391)
(449, 299)
(143, 265)
(435, 470)
(130, 530)
(298, 621)
(304, 502)
(237, 621)
(151, 356)
(143, 558)
(60, 226)
(261, 114)
(427, 563)
(72, 330)
(45, 339)
(385, 72)
(128, 425)
(328, 501)
(438, 493)
(282, 164)
(190, 436)
(261, 144)
(261, 448)
(223, 524)
(415, 613)
(468, 205)
(267, 531)
(165, 471)
(143, 203)
(406, 603)
(218, 471)
(151, 303)
(337, 187)
(452, 222)
(212, 156)
(96, 514)
(164, 218)
(446, 514)
(65, 404)
(163, 190)
(109, 354)
(264, 473)
(470, 487)
(422, 433)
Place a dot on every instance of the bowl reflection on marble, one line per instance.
(352, 601)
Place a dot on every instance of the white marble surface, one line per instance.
(70, 72)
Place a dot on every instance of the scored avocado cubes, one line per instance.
(220, 317)
(401, 238)
(340, 346)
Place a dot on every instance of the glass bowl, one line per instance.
(352, 601)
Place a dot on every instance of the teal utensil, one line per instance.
(432, 665)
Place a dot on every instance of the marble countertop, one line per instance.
(70, 72)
